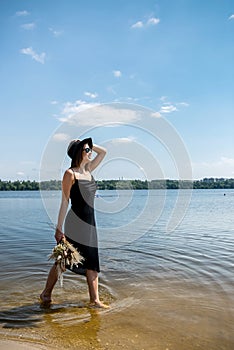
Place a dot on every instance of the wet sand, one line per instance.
(182, 318)
(17, 345)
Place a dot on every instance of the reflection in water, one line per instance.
(20, 317)
(73, 326)
(66, 323)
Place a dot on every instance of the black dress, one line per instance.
(80, 225)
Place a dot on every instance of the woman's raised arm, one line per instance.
(101, 152)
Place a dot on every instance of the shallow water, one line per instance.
(167, 290)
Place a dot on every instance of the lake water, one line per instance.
(168, 289)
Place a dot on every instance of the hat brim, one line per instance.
(77, 145)
(88, 141)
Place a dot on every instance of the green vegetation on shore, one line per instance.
(206, 183)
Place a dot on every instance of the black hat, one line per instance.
(75, 145)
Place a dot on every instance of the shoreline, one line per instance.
(173, 320)
(10, 344)
(124, 184)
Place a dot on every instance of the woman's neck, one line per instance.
(82, 168)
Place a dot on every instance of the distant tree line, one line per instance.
(220, 183)
(206, 183)
(19, 185)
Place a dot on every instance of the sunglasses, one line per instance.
(87, 149)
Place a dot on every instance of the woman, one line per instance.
(80, 229)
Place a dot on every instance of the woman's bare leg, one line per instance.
(92, 280)
(50, 283)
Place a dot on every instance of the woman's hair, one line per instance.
(75, 149)
(77, 159)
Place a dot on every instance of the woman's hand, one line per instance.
(58, 235)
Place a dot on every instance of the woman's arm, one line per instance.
(101, 152)
(66, 187)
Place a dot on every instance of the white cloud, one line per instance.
(223, 167)
(156, 115)
(22, 13)
(20, 173)
(117, 73)
(169, 108)
(91, 114)
(77, 106)
(183, 104)
(28, 26)
(72, 108)
(231, 17)
(90, 94)
(124, 139)
(138, 24)
(54, 102)
(61, 137)
(35, 56)
(132, 99)
(56, 33)
(153, 21)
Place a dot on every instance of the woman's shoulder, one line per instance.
(69, 171)
(68, 174)
(68, 177)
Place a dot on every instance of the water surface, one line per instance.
(166, 290)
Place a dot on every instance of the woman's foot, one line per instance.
(45, 300)
(99, 305)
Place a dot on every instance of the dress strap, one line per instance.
(74, 174)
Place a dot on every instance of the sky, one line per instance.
(152, 81)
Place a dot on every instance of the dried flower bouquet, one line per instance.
(64, 255)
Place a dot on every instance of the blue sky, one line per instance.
(172, 57)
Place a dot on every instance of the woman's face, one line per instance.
(87, 152)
